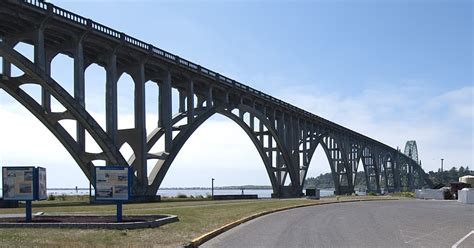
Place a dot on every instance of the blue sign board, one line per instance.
(112, 183)
(24, 183)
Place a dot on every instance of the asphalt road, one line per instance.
(403, 223)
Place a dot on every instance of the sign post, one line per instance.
(113, 183)
(28, 213)
(24, 183)
(119, 211)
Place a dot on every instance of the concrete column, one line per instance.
(260, 125)
(209, 102)
(279, 158)
(190, 102)
(182, 101)
(111, 98)
(252, 121)
(226, 100)
(305, 145)
(165, 104)
(6, 66)
(40, 61)
(410, 175)
(79, 93)
(140, 126)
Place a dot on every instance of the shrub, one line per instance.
(51, 197)
(181, 196)
(62, 197)
(405, 194)
(372, 194)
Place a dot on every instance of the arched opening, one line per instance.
(389, 173)
(404, 174)
(360, 184)
(70, 126)
(174, 101)
(62, 71)
(369, 164)
(32, 90)
(126, 151)
(319, 173)
(95, 78)
(218, 149)
(151, 106)
(26, 50)
(125, 102)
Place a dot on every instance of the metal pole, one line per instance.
(442, 164)
(28, 211)
(212, 189)
(119, 211)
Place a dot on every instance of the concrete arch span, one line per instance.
(165, 162)
(336, 156)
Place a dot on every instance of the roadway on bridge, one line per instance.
(403, 223)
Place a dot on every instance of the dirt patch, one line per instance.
(83, 219)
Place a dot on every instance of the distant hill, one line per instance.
(325, 181)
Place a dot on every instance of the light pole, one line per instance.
(442, 164)
(212, 189)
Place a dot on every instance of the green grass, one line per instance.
(404, 194)
(196, 218)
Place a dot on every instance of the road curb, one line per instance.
(207, 236)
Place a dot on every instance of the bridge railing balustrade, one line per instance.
(37, 3)
(70, 16)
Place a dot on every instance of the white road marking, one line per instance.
(462, 239)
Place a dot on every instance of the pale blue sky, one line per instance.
(393, 70)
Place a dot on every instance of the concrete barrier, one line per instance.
(437, 194)
(466, 195)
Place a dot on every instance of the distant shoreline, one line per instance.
(247, 187)
(256, 187)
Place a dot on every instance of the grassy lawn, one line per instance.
(196, 218)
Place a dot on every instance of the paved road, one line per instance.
(404, 223)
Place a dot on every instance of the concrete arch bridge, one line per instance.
(285, 136)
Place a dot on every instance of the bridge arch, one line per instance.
(371, 168)
(336, 156)
(165, 159)
(388, 162)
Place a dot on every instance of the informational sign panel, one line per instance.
(112, 183)
(23, 183)
(42, 194)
